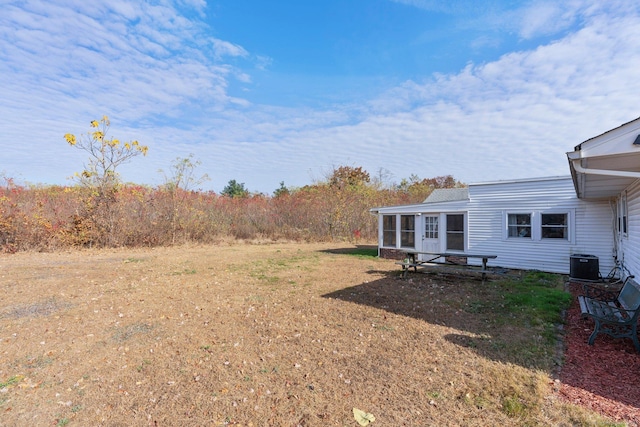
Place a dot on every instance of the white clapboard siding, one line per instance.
(489, 202)
(629, 246)
(591, 223)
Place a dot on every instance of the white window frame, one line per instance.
(520, 226)
(395, 231)
(565, 226)
(465, 231)
(536, 226)
(404, 231)
(431, 226)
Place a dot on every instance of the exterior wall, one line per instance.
(596, 232)
(391, 253)
(590, 225)
(629, 245)
(418, 210)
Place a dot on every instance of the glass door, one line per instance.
(431, 236)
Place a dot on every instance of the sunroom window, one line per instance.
(455, 232)
(389, 230)
(407, 231)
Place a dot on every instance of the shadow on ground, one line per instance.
(608, 369)
(459, 302)
(361, 250)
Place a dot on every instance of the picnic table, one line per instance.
(413, 261)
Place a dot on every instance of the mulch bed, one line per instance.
(603, 377)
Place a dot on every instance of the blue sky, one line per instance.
(264, 92)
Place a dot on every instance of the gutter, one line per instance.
(607, 172)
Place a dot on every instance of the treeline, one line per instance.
(48, 218)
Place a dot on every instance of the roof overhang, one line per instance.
(602, 167)
(604, 176)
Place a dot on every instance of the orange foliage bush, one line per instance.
(46, 218)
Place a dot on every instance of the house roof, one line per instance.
(605, 134)
(606, 164)
(443, 196)
(458, 199)
(447, 195)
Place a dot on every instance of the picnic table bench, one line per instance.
(615, 314)
(412, 260)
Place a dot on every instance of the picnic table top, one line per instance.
(452, 254)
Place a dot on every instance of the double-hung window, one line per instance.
(555, 226)
(539, 225)
(519, 225)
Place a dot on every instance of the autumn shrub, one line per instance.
(196, 225)
(101, 211)
(47, 218)
(33, 218)
(9, 218)
(137, 218)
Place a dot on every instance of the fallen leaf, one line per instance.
(363, 418)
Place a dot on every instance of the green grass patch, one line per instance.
(514, 407)
(185, 271)
(11, 381)
(270, 270)
(266, 278)
(521, 316)
(538, 296)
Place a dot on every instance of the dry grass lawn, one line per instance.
(260, 335)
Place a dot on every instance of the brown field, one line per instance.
(259, 335)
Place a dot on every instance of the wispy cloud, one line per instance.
(511, 118)
(64, 63)
(530, 19)
(164, 80)
(545, 18)
(224, 48)
(114, 55)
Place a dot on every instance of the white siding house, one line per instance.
(607, 168)
(528, 224)
(535, 223)
(557, 224)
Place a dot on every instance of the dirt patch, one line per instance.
(259, 335)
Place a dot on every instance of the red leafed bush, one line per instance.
(45, 218)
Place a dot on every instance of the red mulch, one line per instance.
(603, 377)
